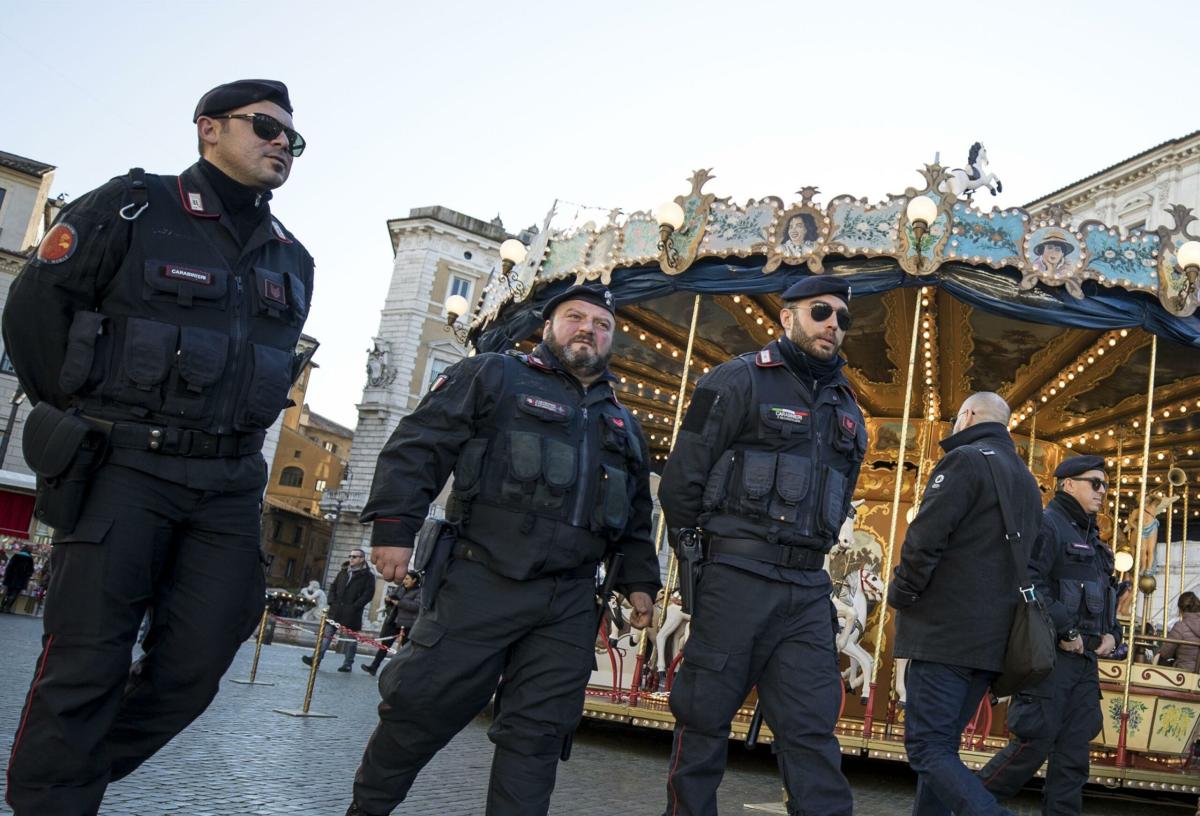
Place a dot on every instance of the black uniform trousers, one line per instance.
(192, 557)
(749, 630)
(538, 635)
(1054, 721)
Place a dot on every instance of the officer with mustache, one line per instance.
(551, 474)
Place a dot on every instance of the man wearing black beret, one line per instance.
(551, 474)
(1073, 571)
(761, 479)
(155, 330)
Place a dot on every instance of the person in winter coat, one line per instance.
(352, 590)
(403, 603)
(16, 577)
(1187, 628)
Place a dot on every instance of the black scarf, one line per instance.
(245, 206)
(1074, 511)
(807, 367)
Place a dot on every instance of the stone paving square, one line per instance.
(242, 759)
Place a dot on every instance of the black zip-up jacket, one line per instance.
(349, 595)
(955, 585)
(542, 468)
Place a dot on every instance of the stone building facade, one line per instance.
(437, 252)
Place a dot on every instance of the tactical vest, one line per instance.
(182, 338)
(786, 477)
(1082, 577)
(549, 479)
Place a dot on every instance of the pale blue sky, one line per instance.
(502, 107)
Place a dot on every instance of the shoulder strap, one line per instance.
(1012, 533)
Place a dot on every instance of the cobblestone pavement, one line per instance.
(241, 758)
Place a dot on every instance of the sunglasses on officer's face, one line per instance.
(268, 128)
(1098, 484)
(821, 311)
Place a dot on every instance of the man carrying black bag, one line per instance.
(155, 330)
(956, 591)
(1057, 718)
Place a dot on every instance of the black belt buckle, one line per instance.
(202, 444)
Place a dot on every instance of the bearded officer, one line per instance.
(155, 330)
(765, 466)
(551, 473)
(1055, 720)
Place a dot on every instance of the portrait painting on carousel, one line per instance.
(1053, 253)
(799, 236)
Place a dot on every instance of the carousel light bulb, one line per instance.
(1188, 255)
(456, 307)
(513, 251)
(1124, 332)
(1091, 359)
(641, 336)
(1062, 384)
(1070, 444)
(770, 330)
(749, 310)
(1112, 341)
(625, 327)
(1162, 456)
(669, 214)
(674, 353)
(759, 321)
(658, 346)
(921, 210)
(706, 369)
(737, 298)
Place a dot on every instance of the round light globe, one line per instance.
(923, 209)
(1188, 254)
(513, 250)
(669, 214)
(1123, 561)
(456, 307)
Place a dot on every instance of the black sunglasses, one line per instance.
(821, 311)
(1097, 484)
(267, 128)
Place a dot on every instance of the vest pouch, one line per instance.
(63, 450)
(784, 421)
(758, 478)
(792, 476)
(524, 467)
(146, 360)
(1070, 595)
(467, 471)
(833, 502)
(558, 474)
(266, 387)
(184, 284)
(271, 294)
(613, 435)
(199, 365)
(846, 436)
(1094, 597)
(717, 486)
(82, 367)
(297, 297)
(612, 503)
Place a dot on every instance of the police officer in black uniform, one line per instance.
(551, 473)
(1073, 571)
(155, 330)
(765, 465)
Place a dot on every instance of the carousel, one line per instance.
(1087, 331)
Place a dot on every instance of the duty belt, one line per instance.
(470, 553)
(780, 555)
(178, 441)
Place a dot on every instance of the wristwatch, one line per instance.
(1071, 635)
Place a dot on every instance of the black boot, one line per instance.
(355, 810)
(369, 668)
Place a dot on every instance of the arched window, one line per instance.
(291, 477)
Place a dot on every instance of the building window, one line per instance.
(2, 191)
(295, 454)
(332, 448)
(460, 286)
(297, 534)
(6, 366)
(276, 528)
(291, 568)
(291, 477)
(320, 488)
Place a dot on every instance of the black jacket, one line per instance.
(491, 420)
(955, 585)
(349, 595)
(403, 606)
(168, 321)
(18, 571)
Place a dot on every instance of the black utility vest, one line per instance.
(183, 337)
(549, 479)
(1082, 574)
(786, 477)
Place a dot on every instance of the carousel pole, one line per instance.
(887, 568)
(1183, 542)
(1167, 557)
(1116, 507)
(1122, 758)
(660, 535)
(1032, 439)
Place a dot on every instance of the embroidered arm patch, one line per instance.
(703, 401)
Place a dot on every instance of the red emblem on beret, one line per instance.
(58, 245)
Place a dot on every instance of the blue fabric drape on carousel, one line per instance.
(991, 290)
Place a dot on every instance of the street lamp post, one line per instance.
(17, 398)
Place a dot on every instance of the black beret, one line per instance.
(233, 95)
(1077, 465)
(818, 285)
(595, 293)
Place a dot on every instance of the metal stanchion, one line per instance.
(258, 643)
(312, 679)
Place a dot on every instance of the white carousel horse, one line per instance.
(314, 593)
(845, 541)
(966, 181)
(675, 629)
(861, 585)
